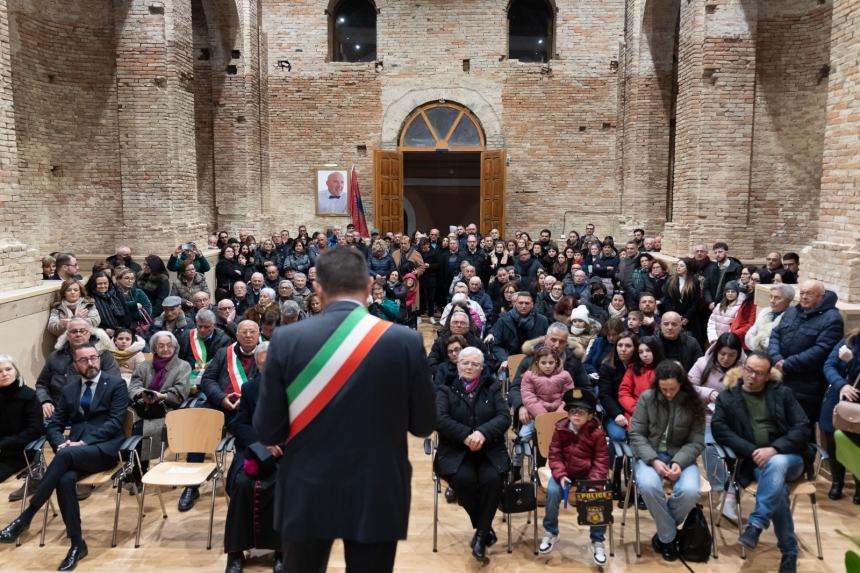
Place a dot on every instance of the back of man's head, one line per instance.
(342, 271)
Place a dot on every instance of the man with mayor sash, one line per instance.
(199, 345)
(342, 389)
(221, 382)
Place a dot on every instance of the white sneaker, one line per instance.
(547, 543)
(730, 508)
(598, 553)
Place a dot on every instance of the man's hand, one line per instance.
(276, 451)
(845, 354)
(230, 401)
(523, 415)
(648, 320)
(47, 410)
(661, 468)
(779, 364)
(68, 444)
(762, 455)
(711, 306)
(621, 420)
(565, 481)
(674, 472)
(489, 339)
(475, 441)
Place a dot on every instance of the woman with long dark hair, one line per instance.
(667, 434)
(681, 294)
(154, 282)
(639, 376)
(110, 305)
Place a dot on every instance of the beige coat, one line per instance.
(61, 310)
(176, 385)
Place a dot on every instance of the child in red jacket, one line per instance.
(578, 451)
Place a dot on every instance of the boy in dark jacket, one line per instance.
(578, 451)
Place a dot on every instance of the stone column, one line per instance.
(835, 255)
(155, 99)
(19, 267)
(716, 98)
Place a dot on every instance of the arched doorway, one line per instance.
(443, 170)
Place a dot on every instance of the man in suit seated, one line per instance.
(94, 405)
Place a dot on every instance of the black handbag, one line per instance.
(518, 497)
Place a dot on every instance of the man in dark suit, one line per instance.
(342, 389)
(94, 406)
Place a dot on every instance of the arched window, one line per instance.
(441, 125)
(530, 30)
(352, 31)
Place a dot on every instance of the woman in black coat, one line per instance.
(472, 420)
(155, 282)
(227, 271)
(21, 419)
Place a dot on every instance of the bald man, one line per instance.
(332, 199)
(677, 344)
(800, 343)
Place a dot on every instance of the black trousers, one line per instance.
(478, 486)
(68, 465)
(9, 466)
(312, 556)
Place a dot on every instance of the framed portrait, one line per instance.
(331, 191)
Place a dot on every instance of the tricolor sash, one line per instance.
(332, 365)
(234, 369)
(198, 349)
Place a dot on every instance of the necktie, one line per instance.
(87, 397)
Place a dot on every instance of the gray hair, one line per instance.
(10, 360)
(168, 334)
(205, 315)
(461, 284)
(262, 347)
(301, 275)
(785, 291)
(558, 327)
(269, 292)
(471, 351)
(286, 281)
(290, 308)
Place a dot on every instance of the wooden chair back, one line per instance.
(194, 430)
(128, 423)
(544, 428)
(514, 361)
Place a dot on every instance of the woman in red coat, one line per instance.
(640, 374)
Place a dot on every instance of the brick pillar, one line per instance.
(647, 108)
(835, 254)
(156, 124)
(237, 127)
(19, 266)
(713, 144)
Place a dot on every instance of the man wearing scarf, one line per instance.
(516, 326)
(200, 345)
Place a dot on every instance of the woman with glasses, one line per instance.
(472, 418)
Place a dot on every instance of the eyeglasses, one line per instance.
(470, 364)
(79, 331)
(579, 411)
(454, 350)
(756, 373)
(88, 359)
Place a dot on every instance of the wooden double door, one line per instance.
(388, 192)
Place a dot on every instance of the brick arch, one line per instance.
(396, 113)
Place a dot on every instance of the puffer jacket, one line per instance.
(380, 266)
(61, 310)
(721, 320)
(186, 290)
(758, 336)
(685, 439)
(715, 378)
(458, 417)
(578, 454)
(128, 359)
(59, 366)
(731, 424)
(609, 383)
(542, 394)
(572, 365)
(838, 373)
(299, 261)
(804, 339)
(633, 386)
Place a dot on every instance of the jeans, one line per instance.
(616, 434)
(527, 431)
(771, 500)
(554, 494)
(715, 469)
(668, 514)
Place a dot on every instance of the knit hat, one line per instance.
(734, 285)
(579, 313)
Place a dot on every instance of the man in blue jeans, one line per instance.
(760, 419)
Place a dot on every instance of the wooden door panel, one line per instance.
(388, 192)
(493, 191)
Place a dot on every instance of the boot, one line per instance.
(856, 499)
(837, 474)
(479, 547)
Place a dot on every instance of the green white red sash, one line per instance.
(331, 367)
(234, 369)
(198, 349)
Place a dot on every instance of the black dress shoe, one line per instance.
(490, 538)
(856, 498)
(835, 490)
(668, 551)
(75, 554)
(188, 497)
(278, 567)
(235, 562)
(479, 547)
(450, 495)
(13, 531)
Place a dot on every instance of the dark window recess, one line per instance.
(530, 28)
(354, 31)
(205, 54)
(156, 10)
(466, 65)
(235, 54)
(232, 70)
(240, 119)
(361, 149)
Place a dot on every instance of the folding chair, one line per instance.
(430, 445)
(633, 488)
(801, 486)
(514, 361)
(188, 430)
(544, 429)
(34, 456)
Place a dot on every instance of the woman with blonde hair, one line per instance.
(72, 303)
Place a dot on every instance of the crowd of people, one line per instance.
(670, 360)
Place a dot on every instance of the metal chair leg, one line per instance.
(161, 501)
(627, 492)
(713, 529)
(611, 540)
(815, 520)
(140, 501)
(212, 512)
(636, 518)
(510, 541)
(536, 529)
(740, 521)
(23, 505)
(436, 487)
(116, 510)
(44, 525)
